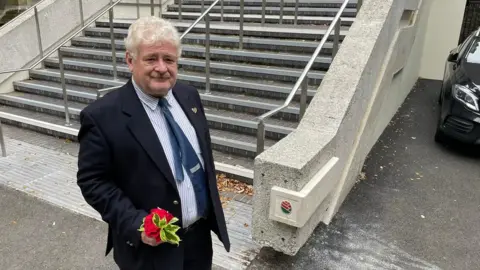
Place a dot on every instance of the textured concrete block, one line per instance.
(344, 118)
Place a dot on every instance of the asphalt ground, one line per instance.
(417, 207)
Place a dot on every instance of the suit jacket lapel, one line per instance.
(191, 110)
(142, 129)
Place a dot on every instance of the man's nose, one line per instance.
(160, 66)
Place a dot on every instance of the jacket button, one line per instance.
(175, 202)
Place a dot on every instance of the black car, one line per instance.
(460, 94)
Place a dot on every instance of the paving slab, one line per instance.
(39, 197)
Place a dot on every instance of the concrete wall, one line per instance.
(375, 69)
(18, 39)
(127, 9)
(442, 35)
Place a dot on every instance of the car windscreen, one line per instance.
(473, 54)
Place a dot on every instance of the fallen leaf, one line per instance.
(245, 225)
(13, 222)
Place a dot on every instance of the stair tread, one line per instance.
(215, 37)
(254, 68)
(74, 107)
(53, 119)
(73, 87)
(284, 28)
(215, 50)
(233, 160)
(215, 78)
(233, 136)
(339, 2)
(78, 105)
(267, 16)
(259, 8)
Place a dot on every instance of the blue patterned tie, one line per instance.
(185, 155)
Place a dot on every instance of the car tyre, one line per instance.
(440, 137)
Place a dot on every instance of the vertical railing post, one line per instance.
(39, 35)
(221, 10)
(112, 42)
(264, 3)
(203, 5)
(2, 141)
(152, 8)
(207, 53)
(260, 137)
(296, 12)
(281, 11)
(242, 6)
(82, 19)
(336, 38)
(303, 97)
(180, 10)
(138, 9)
(64, 86)
(160, 14)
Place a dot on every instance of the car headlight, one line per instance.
(466, 96)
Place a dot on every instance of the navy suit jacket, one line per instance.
(123, 173)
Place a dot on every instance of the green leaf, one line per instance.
(142, 228)
(162, 223)
(172, 238)
(156, 219)
(173, 220)
(163, 236)
(172, 228)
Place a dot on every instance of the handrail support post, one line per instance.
(260, 136)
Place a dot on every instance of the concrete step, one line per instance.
(220, 41)
(257, 18)
(286, 60)
(276, 3)
(217, 118)
(252, 87)
(232, 165)
(305, 32)
(81, 60)
(221, 100)
(224, 141)
(271, 10)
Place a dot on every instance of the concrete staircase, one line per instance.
(244, 83)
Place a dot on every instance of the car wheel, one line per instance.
(440, 137)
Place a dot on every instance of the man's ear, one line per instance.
(129, 60)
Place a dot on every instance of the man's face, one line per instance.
(155, 67)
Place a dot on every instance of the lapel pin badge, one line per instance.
(194, 109)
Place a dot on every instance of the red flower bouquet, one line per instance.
(159, 225)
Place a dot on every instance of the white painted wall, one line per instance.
(442, 34)
(18, 39)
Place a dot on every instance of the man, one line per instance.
(147, 145)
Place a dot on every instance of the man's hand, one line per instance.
(150, 241)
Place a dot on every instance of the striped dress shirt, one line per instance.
(160, 124)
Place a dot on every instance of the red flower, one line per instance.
(151, 230)
(159, 225)
(163, 214)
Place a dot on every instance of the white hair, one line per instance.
(150, 30)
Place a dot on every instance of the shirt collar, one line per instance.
(151, 102)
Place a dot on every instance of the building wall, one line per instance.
(442, 35)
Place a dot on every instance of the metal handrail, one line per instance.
(24, 12)
(63, 43)
(205, 15)
(302, 80)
